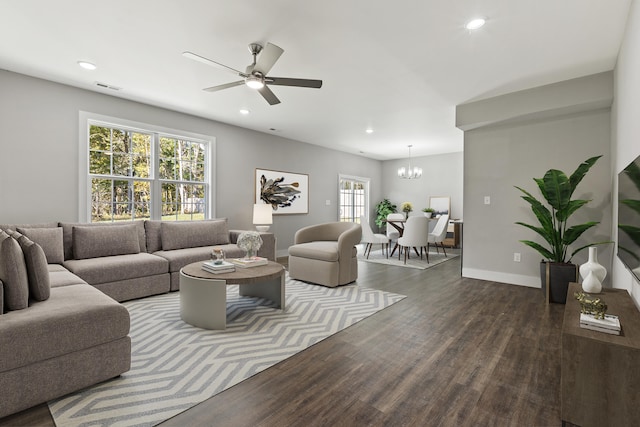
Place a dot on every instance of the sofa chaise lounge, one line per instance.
(61, 326)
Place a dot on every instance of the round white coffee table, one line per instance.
(203, 295)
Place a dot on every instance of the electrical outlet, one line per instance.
(516, 257)
(327, 202)
(487, 200)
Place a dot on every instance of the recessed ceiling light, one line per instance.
(244, 111)
(369, 130)
(474, 24)
(87, 65)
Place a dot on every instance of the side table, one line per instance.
(600, 373)
(203, 295)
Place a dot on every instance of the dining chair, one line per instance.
(371, 238)
(392, 233)
(416, 234)
(439, 233)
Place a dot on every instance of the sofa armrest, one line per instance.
(1, 297)
(268, 248)
(348, 240)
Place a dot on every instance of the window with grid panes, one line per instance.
(140, 174)
(353, 198)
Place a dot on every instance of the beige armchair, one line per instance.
(326, 254)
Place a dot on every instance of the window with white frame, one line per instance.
(354, 198)
(136, 171)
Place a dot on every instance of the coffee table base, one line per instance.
(203, 302)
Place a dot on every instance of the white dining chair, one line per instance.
(371, 238)
(439, 233)
(392, 233)
(415, 235)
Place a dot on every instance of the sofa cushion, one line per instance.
(13, 273)
(321, 250)
(34, 225)
(191, 234)
(72, 319)
(119, 267)
(97, 241)
(60, 276)
(37, 270)
(49, 239)
(67, 234)
(178, 258)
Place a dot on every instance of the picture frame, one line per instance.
(286, 192)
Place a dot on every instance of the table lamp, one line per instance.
(262, 216)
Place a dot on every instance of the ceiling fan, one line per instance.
(255, 75)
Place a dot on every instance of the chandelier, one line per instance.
(412, 172)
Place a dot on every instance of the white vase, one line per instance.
(592, 265)
(591, 284)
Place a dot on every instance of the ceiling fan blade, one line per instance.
(283, 81)
(224, 86)
(267, 58)
(271, 98)
(207, 61)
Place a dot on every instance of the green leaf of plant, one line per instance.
(580, 172)
(572, 206)
(541, 249)
(633, 255)
(541, 231)
(576, 231)
(541, 212)
(632, 231)
(557, 188)
(633, 204)
(633, 172)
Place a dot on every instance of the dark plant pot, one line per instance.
(560, 275)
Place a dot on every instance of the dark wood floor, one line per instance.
(455, 352)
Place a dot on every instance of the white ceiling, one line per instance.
(398, 67)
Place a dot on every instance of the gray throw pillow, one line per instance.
(13, 273)
(49, 239)
(192, 234)
(37, 270)
(99, 241)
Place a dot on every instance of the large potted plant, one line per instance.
(556, 269)
(384, 208)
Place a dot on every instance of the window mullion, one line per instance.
(156, 186)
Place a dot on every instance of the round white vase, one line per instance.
(591, 284)
(592, 265)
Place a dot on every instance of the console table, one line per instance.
(600, 373)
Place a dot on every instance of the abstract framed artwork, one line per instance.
(286, 192)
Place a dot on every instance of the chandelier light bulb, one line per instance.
(411, 172)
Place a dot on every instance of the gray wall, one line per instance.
(626, 126)
(559, 126)
(497, 158)
(39, 157)
(441, 176)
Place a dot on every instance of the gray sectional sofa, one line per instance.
(61, 326)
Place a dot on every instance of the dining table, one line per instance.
(398, 224)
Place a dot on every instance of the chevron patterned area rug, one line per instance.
(435, 258)
(176, 366)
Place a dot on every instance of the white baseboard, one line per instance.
(495, 276)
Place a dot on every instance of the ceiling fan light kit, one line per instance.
(255, 75)
(254, 81)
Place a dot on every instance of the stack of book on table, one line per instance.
(249, 262)
(223, 267)
(610, 324)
